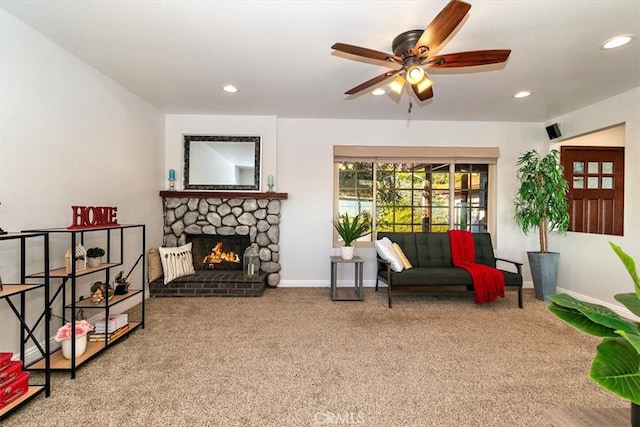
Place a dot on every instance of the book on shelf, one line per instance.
(111, 336)
(115, 322)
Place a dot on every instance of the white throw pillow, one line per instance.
(384, 247)
(176, 262)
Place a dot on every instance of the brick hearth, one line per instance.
(206, 283)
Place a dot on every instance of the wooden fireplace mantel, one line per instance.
(224, 195)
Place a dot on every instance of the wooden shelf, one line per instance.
(33, 391)
(9, 289)
(87, 303)
(224, 195)
(59, 363)
(62, 272)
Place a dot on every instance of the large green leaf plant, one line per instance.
(616, 366)
(541, 201)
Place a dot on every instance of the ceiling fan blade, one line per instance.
(442, 25)
(366, 53)
(369, 83)
(425, 94)
(469, 59)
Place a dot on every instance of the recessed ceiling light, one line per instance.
(378, 92)
(229, 88)
(617, 41)
(522, 94)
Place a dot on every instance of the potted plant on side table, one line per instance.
(94, 256)
(541, 202)
(616, 366)
(350, 229)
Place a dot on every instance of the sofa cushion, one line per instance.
(407, 241)
(403, 257)
(384, 247)
(484, 249)
(176, 262)
(434, 250)
(438, 276)
(155, 265)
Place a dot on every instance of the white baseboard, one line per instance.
(323, 283)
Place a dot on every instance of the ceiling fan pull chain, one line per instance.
(410, 107)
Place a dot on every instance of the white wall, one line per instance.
(588, 266)
(69, 136)
(305, 171)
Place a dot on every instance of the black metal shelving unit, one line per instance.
(69, 295)
(12, 292)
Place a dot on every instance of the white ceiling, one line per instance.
(178, 54)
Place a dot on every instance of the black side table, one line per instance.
(347, 293)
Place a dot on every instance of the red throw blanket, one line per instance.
(487, 281)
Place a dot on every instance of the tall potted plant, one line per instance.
(616, 366)
(350, 229)
(541, 202)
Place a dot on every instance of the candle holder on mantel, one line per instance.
(270, 184)
(172, 179)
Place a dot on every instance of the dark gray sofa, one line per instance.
(430, 256)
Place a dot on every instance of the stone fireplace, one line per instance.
(190, 216)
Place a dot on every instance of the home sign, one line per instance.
(93, 216)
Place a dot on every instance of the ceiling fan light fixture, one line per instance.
(424, 84)
(397, 84)
(415, 74)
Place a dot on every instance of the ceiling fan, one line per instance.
(411, 51)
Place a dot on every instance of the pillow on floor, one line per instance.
(384, 247)
(176, 262)
(155, 265)
(403, 258)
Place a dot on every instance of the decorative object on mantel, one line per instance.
(79, 257)
(93, 216)
(270, 183)
(615, 366)
(94, 256)
(172, 179)
(64, 335)
(350, 229)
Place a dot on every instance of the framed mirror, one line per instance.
(216, 162)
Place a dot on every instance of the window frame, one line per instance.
(419, 154)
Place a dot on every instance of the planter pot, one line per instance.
(635, 415)
(347, 252)
(544, 272)
(94, 262)
(81, 346)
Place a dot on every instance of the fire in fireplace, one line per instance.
(213, 252)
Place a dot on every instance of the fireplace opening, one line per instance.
(214, 252)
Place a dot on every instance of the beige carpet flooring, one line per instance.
(295, 358)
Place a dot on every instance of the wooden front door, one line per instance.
(596, 188)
